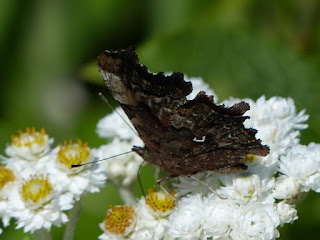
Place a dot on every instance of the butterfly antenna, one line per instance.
(79, 165)
(114, 109)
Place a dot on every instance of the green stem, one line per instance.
(74, 215)
(42, 234)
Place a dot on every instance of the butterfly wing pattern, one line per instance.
(181, 136)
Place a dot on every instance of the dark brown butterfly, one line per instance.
(181, 136)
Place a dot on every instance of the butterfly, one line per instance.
(181, 136)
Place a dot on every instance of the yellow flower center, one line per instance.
(36, 190)
(159, 201)
(29, 138)
(6, 175)
(73, 154)
(120, 220)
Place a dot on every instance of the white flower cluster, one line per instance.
(147, 220)
(37, 182)
(247, 205)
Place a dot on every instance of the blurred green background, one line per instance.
(241, 48)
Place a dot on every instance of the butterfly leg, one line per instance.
(206, 185)
(167, 178)
(139, 179)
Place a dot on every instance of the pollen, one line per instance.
(6, 176)
(160, 202)
(120, 220)
(36, 190)
(30, 137)
(249, 158)
(73, 154)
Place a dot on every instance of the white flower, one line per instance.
(28, 152)
(303, 164)
(88, 178)
(255, 221)
(187, 219)
(37, 205)
(122, 169)
(246, 188)
(147, 221)
(286, 188)
(287, 213)
(29, 145)
(218, 217)
(119, 223)
(151, 223)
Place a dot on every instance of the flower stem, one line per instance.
(42, 234)
(74, 215)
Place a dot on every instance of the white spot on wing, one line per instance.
(200, 140)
